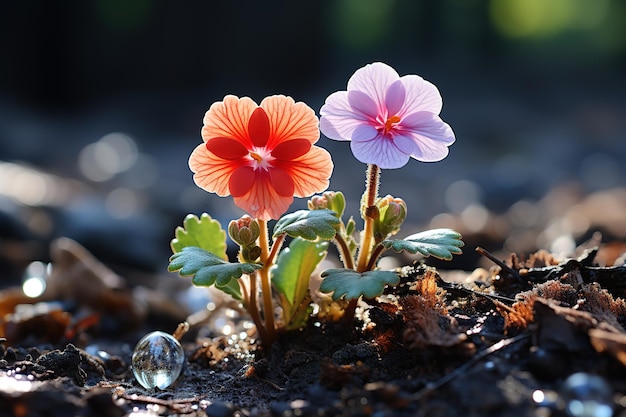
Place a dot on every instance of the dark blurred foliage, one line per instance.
(534, 90)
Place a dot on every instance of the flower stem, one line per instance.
(253, 307)
(369, 200)
(344, 251)
(266, 288)
(378, 250)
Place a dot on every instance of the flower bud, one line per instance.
(244, 231)
(331, 200)
(392, 212)
(317, 202)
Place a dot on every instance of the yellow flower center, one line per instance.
(256, 157)
(260, 158)
(390, 122)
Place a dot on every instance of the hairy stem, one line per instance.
(369, 200)
(378, 250)
(266, 288)
(278, 243)
(344, 251)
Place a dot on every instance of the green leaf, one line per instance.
(308, 224)
(207, 269)
(291, 275)
(203, 232)
(439, 243)
(350, 284)
(294, 267)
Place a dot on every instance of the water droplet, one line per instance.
(587, 395)
(157, 360)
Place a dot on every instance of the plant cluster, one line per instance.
(265, 155)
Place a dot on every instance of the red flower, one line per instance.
(263, 155)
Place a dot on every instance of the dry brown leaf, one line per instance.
(612, 343)
(519, 315)
(426, 317)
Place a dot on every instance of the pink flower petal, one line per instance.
(430, 126)
(379, 151)
(421, 95)
(373, 80)
(395, 98)
(363, 105)
(407, 144)
(429, 150)
(364, 133)
(425, 137)
(339, 119)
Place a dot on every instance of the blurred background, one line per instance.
(101, 103)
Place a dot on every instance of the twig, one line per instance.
(181, 405)
(459, 287)
(501, 264)
(268, 382)
(466, 366)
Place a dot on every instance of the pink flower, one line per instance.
(387, 118)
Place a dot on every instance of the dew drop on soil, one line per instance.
(587, 395)
(157, 360)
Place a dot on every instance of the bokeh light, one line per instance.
(112, 154)
(540, 18)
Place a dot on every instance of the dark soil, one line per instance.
(488, 343)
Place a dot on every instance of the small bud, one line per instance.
(331, 200)
(392, 212)
(250, 253)
(317, 202)
(244, 231)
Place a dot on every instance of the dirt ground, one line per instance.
(503, 340)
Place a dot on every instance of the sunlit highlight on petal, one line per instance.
(211, 173)
(229, 119)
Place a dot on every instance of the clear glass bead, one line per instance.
(157, 360)
(587, 395)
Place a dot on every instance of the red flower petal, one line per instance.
(282, 182)
(241, 181)
(226, 148)
(259, 127)
(291, 149)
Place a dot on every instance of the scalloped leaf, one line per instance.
(207, 269)
(351, 284)
(308, 224)
(203, 232)
(439, 243)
